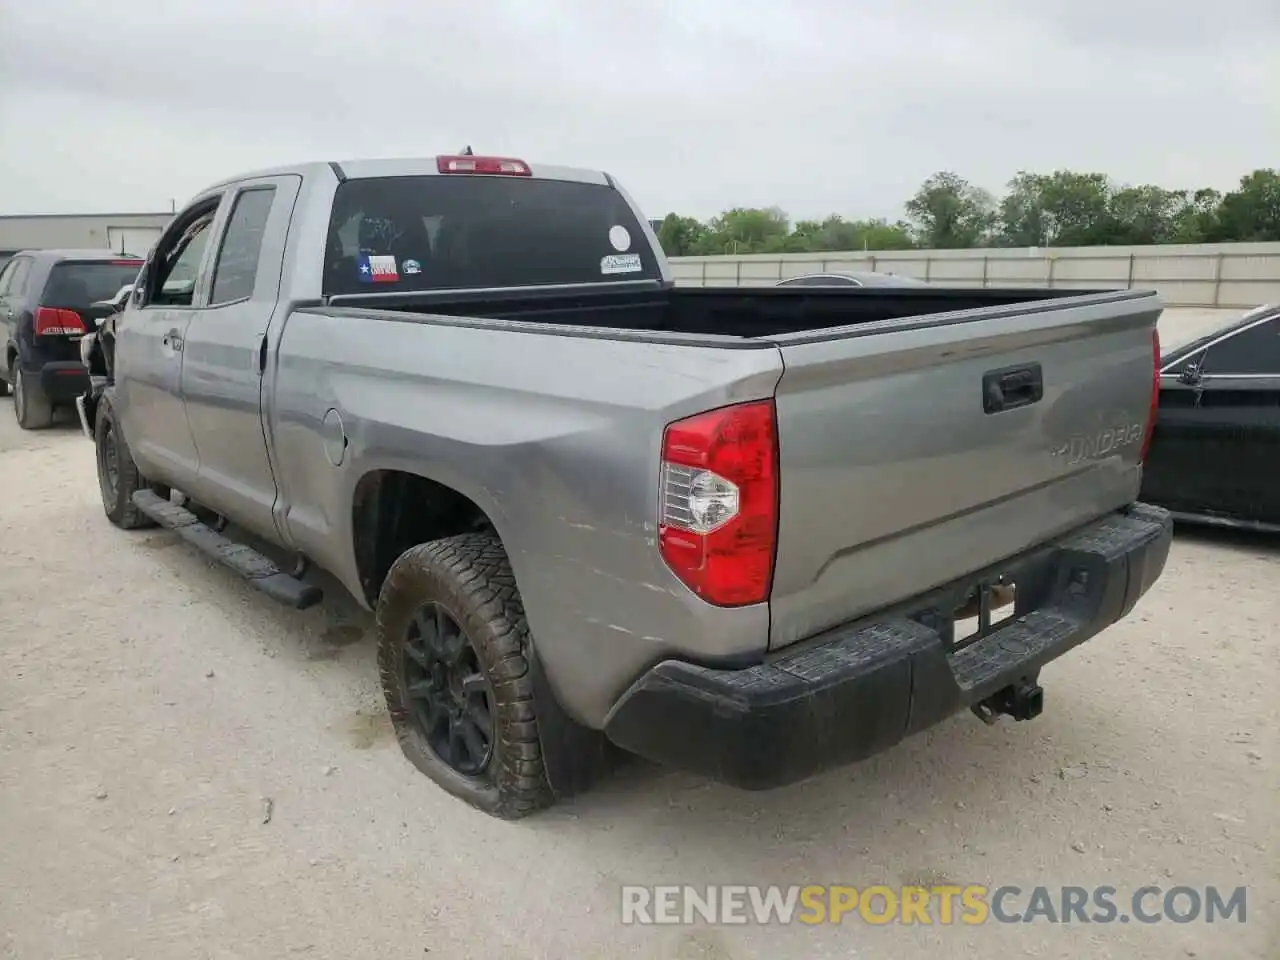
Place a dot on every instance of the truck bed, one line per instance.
(747, 313)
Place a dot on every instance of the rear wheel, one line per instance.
(30, 406)
(453, 656)
(118, 476)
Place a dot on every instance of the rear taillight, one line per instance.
(718, 524)
(1154, 409)
(53, 321)
(488, 165)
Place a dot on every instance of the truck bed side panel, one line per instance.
(556, 438)
(896, 480)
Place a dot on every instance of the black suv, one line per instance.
(48, 301)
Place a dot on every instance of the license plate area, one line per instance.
(1014, 589)
(965, 612)
(988, 606)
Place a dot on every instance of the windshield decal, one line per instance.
(620, 237)
(621, 263)
(377, 269)
(410, 266)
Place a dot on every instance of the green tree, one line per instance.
(680, 236)
(747, 230)
(836, 233)
(1251, 212)
(949, 212)
(1197, 220)
(1062, 209)
(1145, 214)
(882, 235)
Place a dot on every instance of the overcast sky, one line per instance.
(696, 105)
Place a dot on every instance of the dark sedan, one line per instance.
(1215, 454)
(46, 305)
(851, 280)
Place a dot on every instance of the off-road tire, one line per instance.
(470, 576)
(117, 502)
(30, 406)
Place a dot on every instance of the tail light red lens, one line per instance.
(718, 524)
(1154, 410)
(53, 321)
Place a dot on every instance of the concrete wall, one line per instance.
(1208, 275)
(82, 231)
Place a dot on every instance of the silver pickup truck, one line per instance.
(746, 532)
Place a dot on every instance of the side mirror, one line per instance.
(122, 295)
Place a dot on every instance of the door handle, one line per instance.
(171, 339)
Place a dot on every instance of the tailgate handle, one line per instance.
(1012, 387)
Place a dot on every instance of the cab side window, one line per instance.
(175, 264)
(1251, 352)
(236, 268)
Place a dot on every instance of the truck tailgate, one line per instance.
(915, 452)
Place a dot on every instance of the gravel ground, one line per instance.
(151, 705)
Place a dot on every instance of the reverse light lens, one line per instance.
(697, 500)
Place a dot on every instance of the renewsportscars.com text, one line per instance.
(944, 904)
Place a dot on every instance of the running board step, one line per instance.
(260, 572)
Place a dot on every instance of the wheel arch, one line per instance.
(393, 509)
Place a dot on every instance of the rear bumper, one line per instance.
(861, 688)
(63, 380)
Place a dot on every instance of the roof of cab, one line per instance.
(400, 167)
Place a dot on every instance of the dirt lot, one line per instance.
(151, 704)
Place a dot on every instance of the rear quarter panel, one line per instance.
(556, 437)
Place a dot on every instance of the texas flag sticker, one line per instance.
(377, 269)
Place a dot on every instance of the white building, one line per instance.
(131, 233)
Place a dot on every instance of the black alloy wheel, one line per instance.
(450, 700)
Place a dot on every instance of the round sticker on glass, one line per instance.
(620, 238)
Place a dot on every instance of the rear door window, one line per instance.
(1251, 352)
(78, 284)
(236, 269)
(18, 279)
(393, 234)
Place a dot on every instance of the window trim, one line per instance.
(1167, 369)
(235, 196)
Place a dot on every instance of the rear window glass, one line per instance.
(395, 234)
(80, 284)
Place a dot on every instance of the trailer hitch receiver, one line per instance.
(1023, 700)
